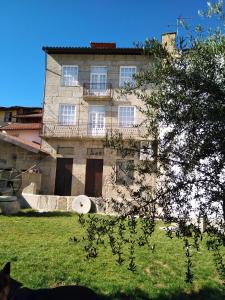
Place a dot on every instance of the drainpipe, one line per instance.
(78, 123)
(43, 101)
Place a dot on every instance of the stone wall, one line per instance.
(80, 157)
(59, 203)
(28, 178)
(14, 157)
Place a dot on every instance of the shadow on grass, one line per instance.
(33, 213)
(137, 294)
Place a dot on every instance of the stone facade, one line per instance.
(56, 94)
(13, 157)
(76, 138)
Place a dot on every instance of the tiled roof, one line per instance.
(29, 116)
(22, 126)
(18, 107)
(27, 145)
(88, 50)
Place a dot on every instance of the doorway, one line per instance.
(63, 177)
(93, 182)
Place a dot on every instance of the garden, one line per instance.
(47, 250)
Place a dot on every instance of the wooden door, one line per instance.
(93, 182)
(63, 177)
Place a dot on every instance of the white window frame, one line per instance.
(95, 130)
(95, 90)
(75, 83)
(62, 116)
(122, 83)
(123, 106)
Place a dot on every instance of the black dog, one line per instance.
(11, 289)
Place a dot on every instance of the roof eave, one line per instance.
(8, 139)
(98, 51)
(21, 144)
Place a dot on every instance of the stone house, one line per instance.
(81, 105)
(20, 114)
(22, 122)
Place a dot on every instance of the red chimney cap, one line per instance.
(103, 45)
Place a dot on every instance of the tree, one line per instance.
(185, 117)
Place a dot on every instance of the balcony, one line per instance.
(88, 130)
(98, 91)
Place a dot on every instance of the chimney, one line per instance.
(103, 45)
(169, 41)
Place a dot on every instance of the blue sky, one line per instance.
(27, 25)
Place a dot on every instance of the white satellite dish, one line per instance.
(81, 204)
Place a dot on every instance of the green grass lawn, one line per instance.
(42, 255)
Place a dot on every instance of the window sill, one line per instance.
(62, 124)
(76, 84)
(70, 86)
(130, 126)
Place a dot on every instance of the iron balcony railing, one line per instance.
(81, 129)
(98, 89)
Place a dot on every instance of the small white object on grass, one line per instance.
(170, 228)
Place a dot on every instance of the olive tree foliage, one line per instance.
(183, 95)
(188, 106)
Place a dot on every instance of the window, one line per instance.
(95, 151)
(69, 75)
(126, 116)
(65, 150)
(67, 114)
(98, 80)
(8, 116)
(126, 75)
(96, 120)
(124, 172)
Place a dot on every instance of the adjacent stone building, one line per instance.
(22, 122)
(23, 158)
